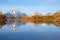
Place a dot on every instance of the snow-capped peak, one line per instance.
(13, 11)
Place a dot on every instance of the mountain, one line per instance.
(14, 12)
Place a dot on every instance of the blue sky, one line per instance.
(31, 2)
(31, 6)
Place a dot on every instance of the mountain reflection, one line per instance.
(14, 18)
